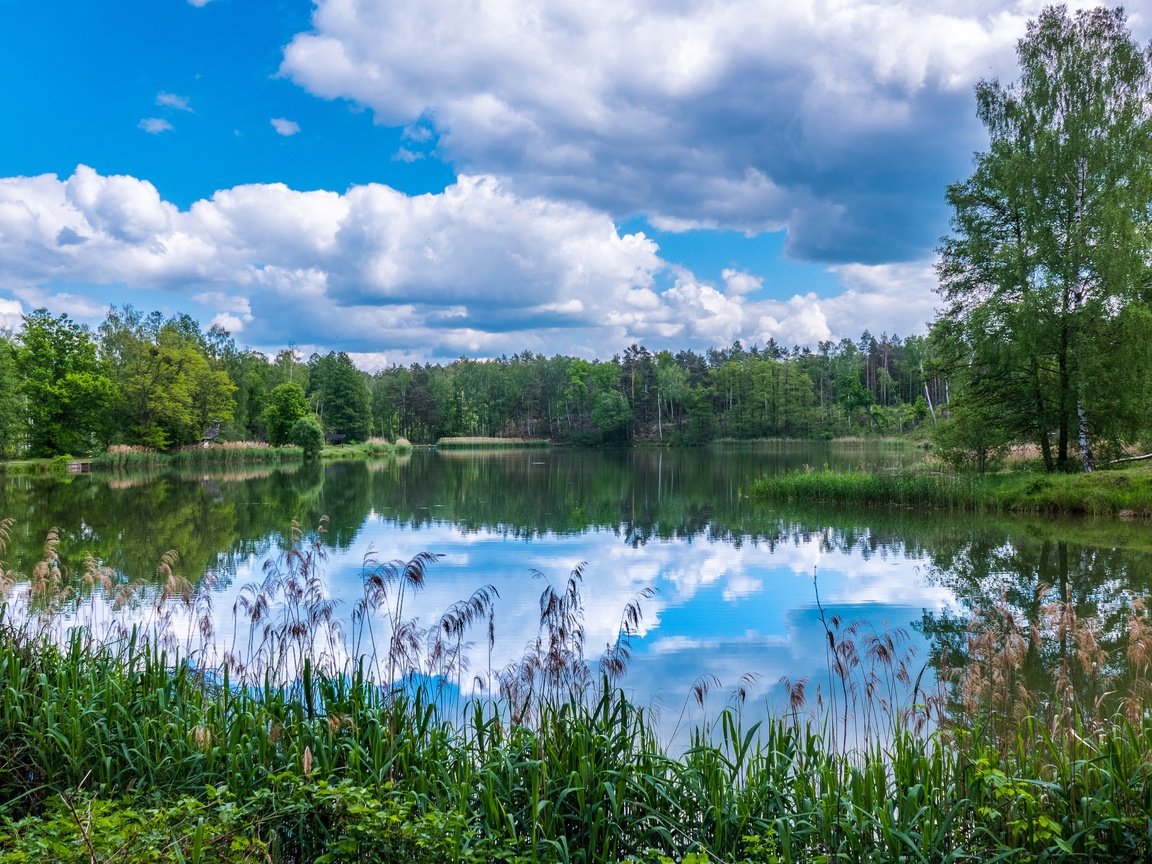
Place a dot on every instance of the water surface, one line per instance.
(741, 591)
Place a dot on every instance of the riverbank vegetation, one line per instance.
(1126, 493)
(480, 442)
(160, 741)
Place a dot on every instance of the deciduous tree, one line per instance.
(1050, 248)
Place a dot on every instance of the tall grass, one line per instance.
(363, 754)
(122, 456)
(1127, 492)
(373, 448)
(479, 442)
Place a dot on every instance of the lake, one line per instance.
(735, 596)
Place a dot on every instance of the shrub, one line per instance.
(307, 434)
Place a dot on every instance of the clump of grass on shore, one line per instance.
(1125, 493)
(373, 448)
(481, 442)
(217, 453)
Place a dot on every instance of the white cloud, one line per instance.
(737, 282)
(171, 100)
(285, 127)
(476, 269)
(902, 296)
(155, 125)
(747, 114)
(11, 314)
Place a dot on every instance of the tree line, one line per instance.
(165, 383)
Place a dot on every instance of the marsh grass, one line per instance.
(124, 456)
(479, 442)
(373, 448)
(334, 754)
(1125, 492)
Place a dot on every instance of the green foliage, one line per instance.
(1047, 268)
(168, 390)
(244, 776)
(972, 436)
(307, 434)
(611, 415)
(341, 396)
(286, 404)
(11, 400)
(64, 386)
(159, 383)
(1098, 493)
(82, 829)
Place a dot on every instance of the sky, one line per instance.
(417, 180)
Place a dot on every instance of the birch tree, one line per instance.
(1051, 237)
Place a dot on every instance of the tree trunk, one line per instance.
(1086, 454)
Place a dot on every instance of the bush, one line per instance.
(307, 434)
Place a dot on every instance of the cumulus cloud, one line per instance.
(476, 269)
(155, 125)
(11, 314)
(822, 116)
(738, 282)
(285, 127)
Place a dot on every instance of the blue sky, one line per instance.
(416, 181)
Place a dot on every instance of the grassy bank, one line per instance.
(240, 453)
(23, 467)
(1126, 492)
(373, 448)
(228, 453)
(267, 748)
(481, 442)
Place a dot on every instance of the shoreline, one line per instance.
(1124, 493)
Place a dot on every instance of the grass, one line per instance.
(169, 742)
(227, 453)
(123, 456)
(480, 442)
(1126, 492)
(373, 448)
(21, 467)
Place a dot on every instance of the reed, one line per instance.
(373, 448)
(478, 442)
(169, 739)
(1126, 493)
(123, 456)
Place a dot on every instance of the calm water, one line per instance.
(735, 581)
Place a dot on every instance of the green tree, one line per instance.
(168, 391)
(307, 434)
(1051, 243)
(341, 395)
(612, 415)
(671, 391)
(11, 401)
(66, 392)
(286, 404)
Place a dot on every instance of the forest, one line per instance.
(165, 383)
